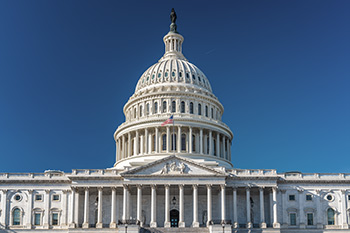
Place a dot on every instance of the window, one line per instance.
(308, 197)
(154, 142)
(191, 108)
(166, 74)
(207, 145)
(37, 219)
(310, 219)
(292, 197)
(173, 142)
(135, 113)
(214, 146)
(147, 109)
(183, 142)
(155, 110)
(182, 106)
(140, 110)
(206, 111)
(54, 219)
(199, 109)
(193, 143)
(212, 113)
(180, 74)
(16, 217)
(164, 106)
(293, 219)
(173, 106)
(164, 142)
(349, 197)
(329, 197)
(17, 197)
(56, 197)
(38, 197)
(330, 217)
(173, 74)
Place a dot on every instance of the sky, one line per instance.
(281, 69)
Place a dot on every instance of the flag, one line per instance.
(169, 121)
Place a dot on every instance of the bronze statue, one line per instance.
(173, 16)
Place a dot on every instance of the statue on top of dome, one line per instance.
(173, 17)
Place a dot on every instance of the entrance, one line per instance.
(174, 218)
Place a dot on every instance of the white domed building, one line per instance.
(173, 170)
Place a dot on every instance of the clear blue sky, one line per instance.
(280, 68)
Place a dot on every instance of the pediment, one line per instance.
(173, 166)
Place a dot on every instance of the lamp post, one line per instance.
(223, 227)
(126, 228)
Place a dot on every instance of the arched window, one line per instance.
(191, 108)
(153, 142)
(147, 109)
(164, 106)
(193, 143)
(140, 110)
(183, 142)
(214, 146)
(16, 217)
(206, 111)
(135, 113)
(173, 142)
(182, 106)
(199, 109)
(173, 106)
(330, 216)
(212, 113)
(155, 110)
(164, 142)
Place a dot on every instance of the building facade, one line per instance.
(174, 176)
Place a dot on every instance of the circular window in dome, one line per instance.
(147, 78)
(187, 75)
(194, 78)
(199, 78)
(152, 76)
(159, 74)
(180, 74)
(329, 197)
(17, 197)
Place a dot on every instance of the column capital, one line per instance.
(47, 191)
(222, 186)
(100, 188)
(208, 186)
(318, 191)
(343, 191)
(126, 186)
(167, 186)
(86, 189)
(30, 191)
(153, 186)
(283, 191)
(4, 191)
(274, 189)
(114, 188)
(65, 191)
(195, 186)
(181, 186)
(139, 186)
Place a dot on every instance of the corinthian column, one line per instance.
(209, 214)
(113, 223)
(201, 141)
(195, 222)
(167, 206)
(249, 221)
(235, 217)
(262, 208)
(125, 203)
(99, 209)
(178, 139)
(86, 209)
(274, 202)
(139, 204)
(181, 206)
(190, 141)
(153, 222)
(223, 205)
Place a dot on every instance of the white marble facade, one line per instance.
(172, 177)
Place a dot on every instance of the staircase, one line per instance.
(174, 229)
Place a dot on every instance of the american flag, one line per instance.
(169, 121)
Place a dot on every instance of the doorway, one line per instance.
(174, 218)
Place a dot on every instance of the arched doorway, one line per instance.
(174, 218)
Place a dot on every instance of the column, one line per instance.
(136, 143)
(209, 209)
(141, 145)
(235, 216)
(181, 206)
(86, 209)
(64, 207)
(223, 205)
(223, 147)
(210, 143)
(99, 223)
(123, 147)
(116, 151)
(146, 141)
(179, 139)
(157, 140)
(319, 223)
(129, 145)
(201, 141)
(3, 208)
(249, 221)
(113, 223)
(228, 150)
(119, 153)
(153, 222)
(195, 222)
(168, 138)
(76, 208)
(167, 206)
(284, 206)
(262, 208)
(30, 207)
(47, 209)
(301, 209)
(71, 209)
(125, 204)
(274, 202)
(149, 143)
(344, 209)
(139, 205)
(190, 144)
(218, 145)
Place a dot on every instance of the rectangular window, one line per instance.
(56, 197)
(293, 219)
(37, 218)
(310, 219)
(292, 197)
(308, 197)
(38, 197)
(349, 197)
(54, 219)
